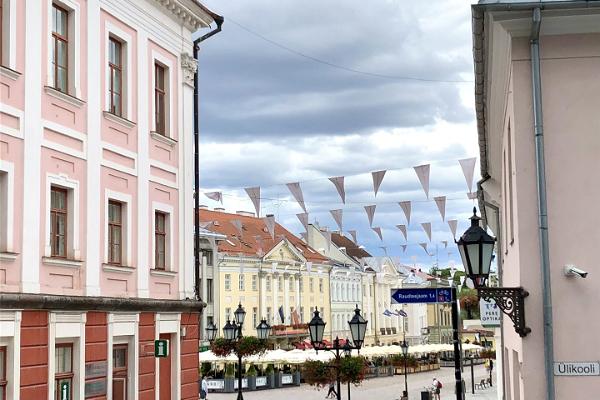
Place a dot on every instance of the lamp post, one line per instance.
(232, 332)
(348, 353)
(404, 347)
(358, 329)
(476, 248)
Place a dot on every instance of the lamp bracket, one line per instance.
(511, 300)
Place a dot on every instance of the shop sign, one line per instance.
(489, 313)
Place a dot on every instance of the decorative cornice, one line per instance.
(180, 9)
(189, 66)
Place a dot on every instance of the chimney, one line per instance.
(270, 215)
(219, 209)
(245, 213)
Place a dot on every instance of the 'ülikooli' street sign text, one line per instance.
(567, 368)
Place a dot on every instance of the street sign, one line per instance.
(429, 295)
(65, 390)
(489, 313)
(161, 348)
(566, 368)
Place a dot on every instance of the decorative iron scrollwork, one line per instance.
(511, 300)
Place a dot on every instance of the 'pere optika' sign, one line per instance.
(566, 368)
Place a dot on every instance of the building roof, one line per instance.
(352, 249)
(255, 236)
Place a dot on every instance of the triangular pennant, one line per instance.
(270, 224)
(337, 216)
(377, 230)
(303, 218)
(424, 246)
(427, 228)
(259, 242)
(440, 201)
(445, 243)
(384, 248)
(338, 181)
(327, 235)
(304, 236)
(452, 223)
(472, 195)
(238, 225)
(296, 191)
(254, 194)
(423, 175)
(468, 169)
(403, 248)
(405, 205)
(403, 230)
(216, 196)
(377, 179)
(370, 213)
(353, 234)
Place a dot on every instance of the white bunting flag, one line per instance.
(377, 230)
(384, 248)
(337, 216)
(440, 201)
(304, 236)
(308, 266)
(338, 181)
(327, 235)
(377, 179)
(254, 194)
(427, 228)
(296, 191)
(259, 242)
(468, 169)
(445, 243)
(269, 221)
(303, 218)
(238, 225)
(406, 207)
(423, 175)
(403, 230)
(452, 223)
(424, 246)
(472, 196)
(403, 248)
(353, 234)
(370, 213)
(216, 196)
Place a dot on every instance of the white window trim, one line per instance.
(169, 257)
(74, 45)
(165, 62)
(64, 181)
(10, 20)
(126, 40)
(169, 323)
(126, 220)
(123, 328)
(10, 336)
(14, 112)
(65, 327)
(7, 216)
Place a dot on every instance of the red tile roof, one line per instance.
(352, 248)
(248, 243)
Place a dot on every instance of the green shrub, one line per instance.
(205, 368)
(269, 369)
(251, 371)
(229, 371)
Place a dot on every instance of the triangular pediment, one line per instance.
(284, 251)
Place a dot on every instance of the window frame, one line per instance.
(157, 234)
(112, 67)
(72, 186)
(7, 212)
(254, 282)
(227, 282)
(54, 212)
(121, 373)
(113, 31)
(56, 38)
(112, 225)
(3, 361)
(209, 290)
(8, 46)
(169, 87)
(160, 119)
(60, 376)
(241, 282)
(74, 51)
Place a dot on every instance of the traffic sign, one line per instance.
(161, 348)
(429, 295)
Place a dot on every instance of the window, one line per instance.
(208, 254)
(115, 232)
(160, 240)
(280, 284)
(269, 314)
(60, 46)
(209, 290)
(63, 377)
(160, 102)
(227, 313)
(5, 212)
(254, 316)
(320, 285)
(268, 284)
(115, 73)
(241, 282)
(311, 285)
(227, 281)
(254, 283)
(3, 381)
(119, 372)
(58, 222)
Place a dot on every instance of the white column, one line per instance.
(263, 300)
(286, 295)
(32, 134)
(275, 287)
(298, 295)
(143, 185)
(94, 146)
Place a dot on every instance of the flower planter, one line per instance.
(229, 385)
(297, 378)
(251, 383)
(271, 381)
(278, 382)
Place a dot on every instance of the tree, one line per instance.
(469, 302)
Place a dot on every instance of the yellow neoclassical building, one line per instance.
(279, 278)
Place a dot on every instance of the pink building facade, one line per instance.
(505, 36)
(96, 198)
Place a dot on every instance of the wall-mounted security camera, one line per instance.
(571, 270)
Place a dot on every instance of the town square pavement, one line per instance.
(387, 388)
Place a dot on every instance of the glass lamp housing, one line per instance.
(476, 248)
(358, 328)
(240, 315)
(262, 330)
(316, 329)
(211, 332)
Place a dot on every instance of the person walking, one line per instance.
(203, 388)
(437, 386)
(331, 391)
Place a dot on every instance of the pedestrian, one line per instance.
(437, 386)
(203, 388)
(331, 391)
(491, 365)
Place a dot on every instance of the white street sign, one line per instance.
(489, 313)
(567, 368)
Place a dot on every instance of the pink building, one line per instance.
(537, 66)
(96, 198)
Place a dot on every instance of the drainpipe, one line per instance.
(219, 20)
(542, 202)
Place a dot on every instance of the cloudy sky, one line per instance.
(299, 91)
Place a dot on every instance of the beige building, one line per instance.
(537, 68)
(281, 279)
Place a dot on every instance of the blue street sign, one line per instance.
(433, 295)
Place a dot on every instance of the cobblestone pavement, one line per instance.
(388, 388)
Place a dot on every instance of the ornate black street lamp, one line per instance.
(476, 248)
(404, 347)
(358, 329)
(232, 331)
